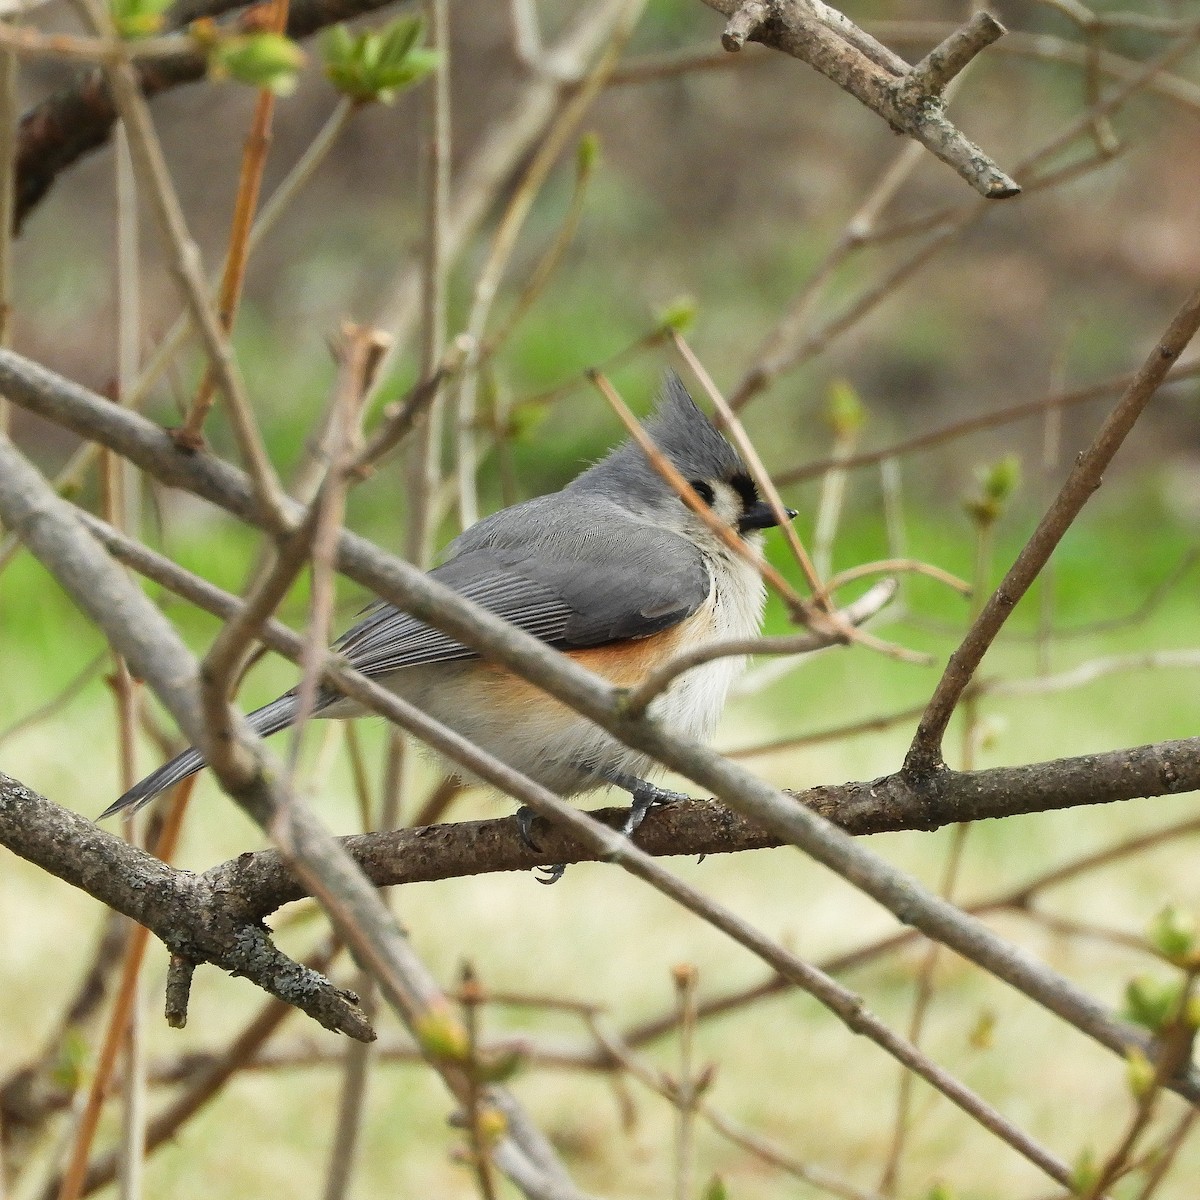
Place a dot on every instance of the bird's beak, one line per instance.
(760, 516)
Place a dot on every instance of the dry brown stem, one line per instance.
(254, 160)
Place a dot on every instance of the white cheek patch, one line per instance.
(727, 504)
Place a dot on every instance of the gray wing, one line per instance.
(574, 573)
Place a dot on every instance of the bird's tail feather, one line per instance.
(269, 719)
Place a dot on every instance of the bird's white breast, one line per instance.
(693, 703)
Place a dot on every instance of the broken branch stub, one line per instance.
(909, 98)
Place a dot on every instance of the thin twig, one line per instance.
(1167, 1154)
(70, 690)
(254, 158)
(471, 997)
(423, 471)
(837, 732)
(863, 609)
(358, 350)
(687, 1090)
(925, 751)
(1089, 672)
(357, 1061)
(185, 261)
(500, 251)
(728, 421)
(74, 1179)
(987, 420)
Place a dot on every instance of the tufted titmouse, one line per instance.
(615, 571)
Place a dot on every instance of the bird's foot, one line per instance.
(525, 818)
(644, 796)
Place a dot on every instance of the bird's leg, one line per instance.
(644, 795)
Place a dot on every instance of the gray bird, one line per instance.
(615, 571)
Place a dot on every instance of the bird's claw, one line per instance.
(644, 797)
(525, 819)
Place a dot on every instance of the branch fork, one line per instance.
(909, 98)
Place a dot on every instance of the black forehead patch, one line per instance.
(745, 488)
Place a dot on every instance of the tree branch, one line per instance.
(702, 827)
(63, 128)
(925, 753)
(179, 908)
(908, 98)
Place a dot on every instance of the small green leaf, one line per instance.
(264, 60)
(587, 153)
(715, 1189)
(525, 419)
(398, 39)
(678, 315)
(139, 18)
(1173, 934)
(1152, 1003)
(499, 1067)
(338, 46)
(982, 1035)
(441, 1036)
(844, 411)
(377, 64)
(1085, 1172)
(70, 1066)
(1001, 480)
(1139, 1072)
(492, 1125)
(1191, 1012)
(998, 483)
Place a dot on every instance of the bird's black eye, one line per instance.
(744, 486)
(703, 490)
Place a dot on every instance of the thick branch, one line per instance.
(179, 908)
(702, 827)
(73, 122)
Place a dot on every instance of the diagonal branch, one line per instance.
(925, 754)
